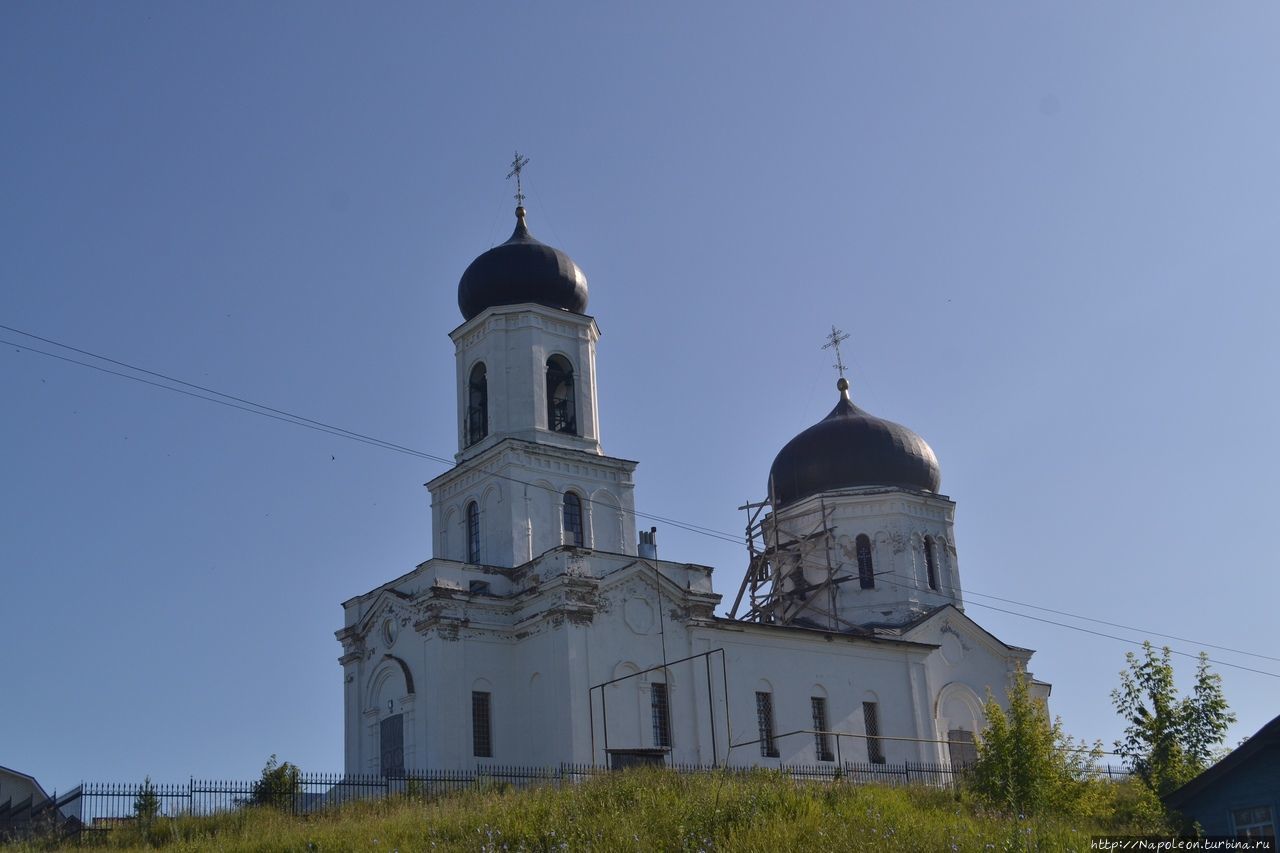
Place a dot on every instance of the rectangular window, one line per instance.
(481, 735)
(871, 719)
(391, 743)
(661, 710)
(821, 740)
(764, 718)
(1257, 822)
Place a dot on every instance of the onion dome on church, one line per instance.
(848, 449)
(522, 270)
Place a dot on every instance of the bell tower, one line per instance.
(531, 474)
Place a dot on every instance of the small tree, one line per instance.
(1026, 764)
(146, 805)
(1168, 740)
(279, 784)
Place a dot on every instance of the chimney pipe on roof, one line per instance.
(648, 547)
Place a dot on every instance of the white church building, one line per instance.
(546, 629)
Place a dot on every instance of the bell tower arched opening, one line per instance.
(562, 409)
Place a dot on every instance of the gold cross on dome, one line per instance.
(517, 164)
(833, 341)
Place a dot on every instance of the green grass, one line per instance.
(646, 810)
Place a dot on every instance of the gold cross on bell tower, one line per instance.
(518, 164)
(833, 341)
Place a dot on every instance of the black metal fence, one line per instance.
(94, 807)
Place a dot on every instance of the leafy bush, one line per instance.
(1027, 765)
(1169, 740)
(279, 785)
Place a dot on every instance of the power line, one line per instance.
(244, 405)
(255, 408)
(1094, 633)
(1124, 639)
(1119, 625)
(965, 593)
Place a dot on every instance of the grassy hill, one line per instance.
(645, 810)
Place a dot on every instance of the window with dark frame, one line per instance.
(481, 730)
(871, 719)
(477, 404)
(821, 740)
(866, 572)
(473, 533)
(573, 518)
(929, 563)
(562, 409)
(660, 708)
(764, 719)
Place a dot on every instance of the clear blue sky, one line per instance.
(1050, 228)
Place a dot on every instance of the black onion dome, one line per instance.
(850, 448)
(522, 270)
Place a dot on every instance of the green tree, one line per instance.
(280, 783)
(1026, 763)
(1168, 740)
(146, 805)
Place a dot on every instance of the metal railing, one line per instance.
(94, 807)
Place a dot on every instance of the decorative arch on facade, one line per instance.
(624, 706)
(477, 426)
(562, 406)
(447, 534)
(944, 551)
(492, 544)
(915, 561)
(391, 680)
(958, 706)
(539, 714)
(959, 719)
(543, 508)
(605, 514)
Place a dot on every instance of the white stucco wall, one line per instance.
(549, 632)
(896, 522)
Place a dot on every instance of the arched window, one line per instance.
(562, 410)
(477, 404)
(473, 533)
(929, 563)
(866, 573)
(573, 518)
